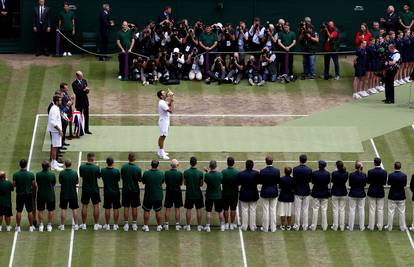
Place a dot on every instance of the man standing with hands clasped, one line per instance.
(81, 90)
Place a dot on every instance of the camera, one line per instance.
(324, 26)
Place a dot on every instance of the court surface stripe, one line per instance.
(192, 115)
(241, 238)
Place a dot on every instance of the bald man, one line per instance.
(81, 90)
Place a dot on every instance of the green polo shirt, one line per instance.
(66, 19)
(68, 179)
(230, 185)
(24, 181)
(153, 180)
(46, 182)
(375, 33)
(193, 179)
(213, 180)
(406, 17)
(6, 187)
(110, 178)
(208, 39)
(130, 174)
(173, 180)
(287, 38)
(125, 37)
(90, 174)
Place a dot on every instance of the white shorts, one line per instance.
(56, 139)
(164, 125)
(285, 208)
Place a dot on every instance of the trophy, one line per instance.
(169, 92)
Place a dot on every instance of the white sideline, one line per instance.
(192, 115)
(28, 168)
(72, 234)
(377, 154)
(241, 238)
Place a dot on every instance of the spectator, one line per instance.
(330, 45)
(287, 41)
(406, 17)
(105, 25)
(309, 40)
(67, 28)
(390, 21)
(248, 179)
(396, 196)
(362, 35)
(125, 41)
(375, 30)
(208, 42)
(41, 27)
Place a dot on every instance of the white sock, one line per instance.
(162, 151)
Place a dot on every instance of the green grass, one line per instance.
(26, 92)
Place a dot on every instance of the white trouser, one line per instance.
(269, 206)
(321, 203)
(246, 208)
(353, 202)
(301, 205)
(376, 204)
(338, 210)
(400, 204)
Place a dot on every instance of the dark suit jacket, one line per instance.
(412, 186)
(104, 23)
(41, 23)
(287, 185)
(357, 182)
(377, 178)
(397, 180)
(339, 180)
(269, 178)
(82, 100)
(302, 176)
(248, 179)
(320, 181)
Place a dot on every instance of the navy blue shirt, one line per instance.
(269, 178)
(357, 182)
(339, 179)
(397, 180)
(302, 176)
(248, 179)
(377, 178)
(412, 187)
(287, 185)
(320, 181)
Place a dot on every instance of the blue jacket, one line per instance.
(287, 185)
(248, 179)
(357, 182)
(377, 178)
(412, 186)
(320, 181)
(339, 180)
(269, 178)
(302, 176)
(397, 180)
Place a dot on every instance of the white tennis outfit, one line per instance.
(164, 119)
(54, 120)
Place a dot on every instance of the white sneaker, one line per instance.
(8, 228)
(227, 226)
(365, 94)
(372, 91)
(126, 227)
(116, 227)
(207, 229)
(32, 229)
(334, 228)
(380, 88)
(233, 226)
(396, 83)
(356, 96)
(402, 81)
(65, 54)
(49, 228)
(165, 157)
(296, 227)
(106, 227)
(145, 228)
(159, 228)
(97, 227)
(251, 82)
(119, 77)
(18, 229)
(69, 54)
(61, 227)
(200, 228)
(223, 227)
(412, 228)
(41, 227)
(135, 227)
(177, 227)
(83, 226)
(74, 227)
(312, 227)
(166, 227)
(336, 78)
(187, 228)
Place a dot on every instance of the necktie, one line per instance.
(41, 14)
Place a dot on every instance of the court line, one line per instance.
(241, 238)
(192, 115)
(72, 234)
(376, 151)
(13, 251)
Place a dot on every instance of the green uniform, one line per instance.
(130, 174)
(208, 39)
(230, 185)
(375, 33)
(68, 179)
(406, 17)
(110, 178)
(125, 38)
(24, 182)
(153, 180)
(66, 19)
(193, 179)
(173, 180)
(213, 179)
(46, 182)
(287, 38)
(6, 187)
(90, 174)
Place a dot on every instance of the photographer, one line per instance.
(287, 41)
(150, 72)
(162, 67)
(253, 70)
(217, 71)
(125, 42)
(309, 40)
(256, 34)
(227, 41)
(236, 68)
(268, 63)
(196, 62)
(242, 37)
(176, 63)
(269, 37)
(137, 70)
(330, 44)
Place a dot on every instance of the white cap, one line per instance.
(176, 50)
(218, 24)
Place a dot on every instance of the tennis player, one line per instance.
(164, 110)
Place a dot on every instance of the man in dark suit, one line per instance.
(41, 27)
(81, 90)
(302, 175)
(320, 194)
(269, 178)
(5, 18)
(412, 199)
(377, 179)
(105, 25)
(248, 180)
(396, 196)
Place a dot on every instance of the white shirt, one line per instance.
(396, 56)
(162, 110)
(54, 119)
